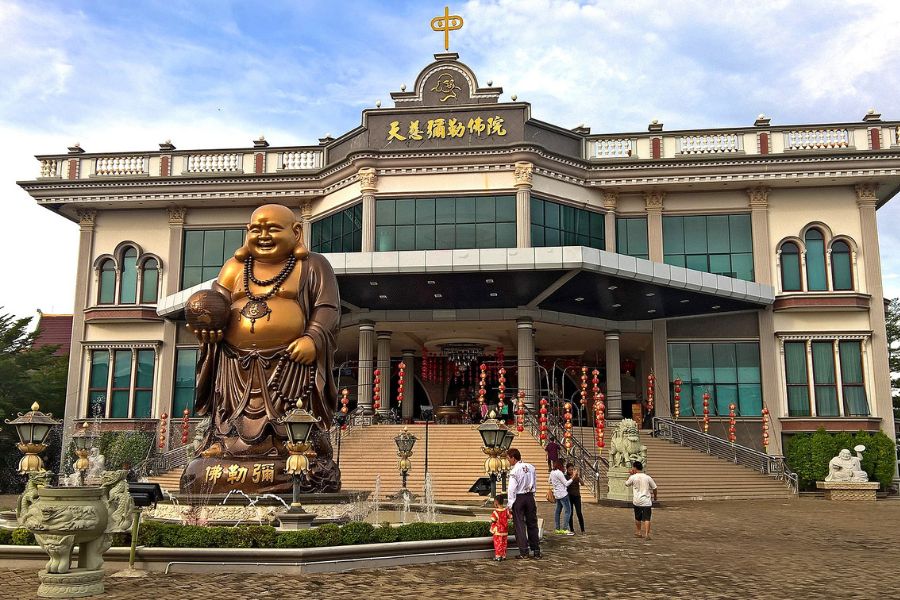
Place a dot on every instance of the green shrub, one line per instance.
(120, 447)
(22, 537)
(357, 533)
(305, 538)
(328, 535)
(385, 534)
(808, 455)
(5, 537)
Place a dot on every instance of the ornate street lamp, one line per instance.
(32, 428)
(504, 460)
(493, 435)
(298, 423)
(405, 442)
(83, 441)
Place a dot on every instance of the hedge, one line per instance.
(808, 455)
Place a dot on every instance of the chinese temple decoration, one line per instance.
(500, 357)
(501, 392)
(651, 391)
(584, 386)
(376, 390)
(628, 366)
(543, 421)
(520, 412)
(425, 373)
(185, 426)
(345, 400)
(765, 429)
(705, 412)
(163, 428)
(401, 377)
(567, 433)
(599, 410)
(482, 381)
(731, 428)
(677, 397)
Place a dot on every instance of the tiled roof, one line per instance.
(54, 330)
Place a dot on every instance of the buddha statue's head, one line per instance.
(273, 234)
(844, 454)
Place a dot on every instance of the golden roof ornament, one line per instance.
(447, 23)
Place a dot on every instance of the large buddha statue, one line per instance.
(270, 345)
(846, 468)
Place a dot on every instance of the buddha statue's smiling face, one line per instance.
(272, 233)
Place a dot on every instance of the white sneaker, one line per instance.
(570, 533)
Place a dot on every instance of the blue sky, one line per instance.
(128, 75)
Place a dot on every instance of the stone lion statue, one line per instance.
(625, 446)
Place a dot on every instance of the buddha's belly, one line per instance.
(283, 325)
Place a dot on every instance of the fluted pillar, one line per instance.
(366, 367)
(368, 182)
(409, 398)
(523, 180)
(384, 365)
(306, 222)
(525, 360)
(653, 202)
(613, 377)
(610, 203)
(171, 280)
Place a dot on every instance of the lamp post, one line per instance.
(83, 441)
(508, 438)
(428, 415)
(298, 423)
(493, 435)
(32, 428)
(405, 442)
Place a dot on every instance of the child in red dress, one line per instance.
(500, 526)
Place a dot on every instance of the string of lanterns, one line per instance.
(376, 390)
(520, 412)
(163, 428)
(543, 422)
(651, 389)
(501, 391)
(765, 428)
(677, 397)
(401, 377)
(706, 412)
(567, 432)
(731, 422)
(599, 410)
(345, 400)
(185, 426)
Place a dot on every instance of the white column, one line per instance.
(409, 399)
(654, 205)
(368, 186)
(660, 351)
(523, 181)
(366, 366)
(613, 377)
(306, 223)
(526, 362)
(610, 203)
(384, 366)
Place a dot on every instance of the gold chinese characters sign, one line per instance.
(443, 128)
(237, 474)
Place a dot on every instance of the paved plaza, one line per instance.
(751, 549)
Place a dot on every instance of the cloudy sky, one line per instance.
(116, 75)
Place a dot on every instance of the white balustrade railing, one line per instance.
(301, 159)
(816, 139)
(121, 165)
(214, 163)
(50, 167)
(614, 148)
(713, 143)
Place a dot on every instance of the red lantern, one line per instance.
(677, 397)
(482, 381)
(520, 412)
(163, 428)
(651, 388)
(765, 422)
(705, 412)
(731, 423)
(543, 420)
(584, 386)
(185, 425)
(401, 377)
(501, 391)
(376, 390)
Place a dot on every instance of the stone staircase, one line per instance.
(169, 480)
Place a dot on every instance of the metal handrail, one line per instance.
(768, 464)
(164, 461)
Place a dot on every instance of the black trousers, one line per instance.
(576, 508)
(525, 519)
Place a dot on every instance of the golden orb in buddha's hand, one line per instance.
(208, 310)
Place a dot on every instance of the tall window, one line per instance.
(107, 293)
(720, 244)
(841, 271)
(554, 224)
(121, 384)
(341, 232)
(98, 383)
(730, 372)
(816, 280)
(205, 251)
(852, 385)
(185, 381)
(128, 283)
(445, 223)
(631, 237)
(824, 382)
(143, 384)
(790, 267)
(123, 389)
(150, 281)
(797, 376)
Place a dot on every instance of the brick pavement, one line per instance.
(742, 549)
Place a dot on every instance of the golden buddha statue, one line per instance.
(279, 320)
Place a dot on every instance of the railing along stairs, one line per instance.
(767, 464)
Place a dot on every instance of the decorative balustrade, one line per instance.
(614, 148)
(816, 139)
(214, 163)
(713, 143)
(121, 165)
(50, 167)
(301, 159)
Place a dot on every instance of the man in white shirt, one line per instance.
(521, 487)
(644, 495)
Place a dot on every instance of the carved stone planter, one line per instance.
(849, 491)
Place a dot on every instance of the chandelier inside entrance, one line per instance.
(462, 354)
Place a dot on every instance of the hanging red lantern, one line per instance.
(185, 425)
(705, 412)
(401, 377)
(584, 386)
(765, 424)
(482, 381)
(677, 397)
(163, 428)
(376, 390)
(651, 391)
(520, 412)
(501, 391)
(731, 423)
(628, 366)
(567, 432)
(543, 421)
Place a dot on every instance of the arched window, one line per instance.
(816, 280)
(790, 267)
(841, 270)
(128, 284)
(149, 281)
(107, 293)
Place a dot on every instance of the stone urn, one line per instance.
(62, 517)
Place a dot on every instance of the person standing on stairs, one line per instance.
(521, 488)
(552, 449)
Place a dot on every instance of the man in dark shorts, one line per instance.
(644, 495)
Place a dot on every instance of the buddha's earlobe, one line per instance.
(242, 253)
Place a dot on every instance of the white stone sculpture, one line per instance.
(845, 467)
(97, 465)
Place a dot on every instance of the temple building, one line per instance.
(742, 261)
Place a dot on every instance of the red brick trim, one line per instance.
(795, 424)
(854, 302)
(73, 168)
(165, 166)
(130, 314)
(656, 147)
(260, 160)
(763, 143)
(147, 425)
(875, 138)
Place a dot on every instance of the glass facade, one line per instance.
(720, 244)
(554, 224)
(205, 251)
(445, 223)
(631, 237)
(340, 232)
(730, 372)
(185, 381)
(123, 388)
